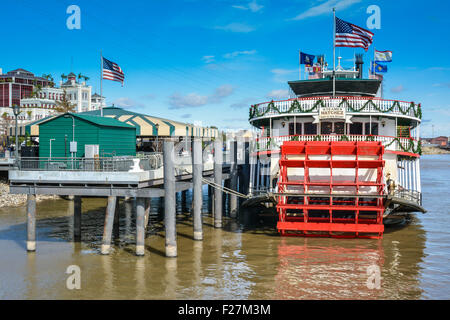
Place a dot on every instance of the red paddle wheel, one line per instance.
(333, 189)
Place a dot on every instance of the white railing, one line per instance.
(352, 105)
(390, 143)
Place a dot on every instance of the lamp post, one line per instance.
(16, 111)
(157, 134)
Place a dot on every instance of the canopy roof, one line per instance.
(145, 125)
(344, 86)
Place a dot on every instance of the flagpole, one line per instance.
(334, 52)
(101, 83)
(299, 65)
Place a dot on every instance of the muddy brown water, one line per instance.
(245, 260)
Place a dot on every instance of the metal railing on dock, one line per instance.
(103, 164)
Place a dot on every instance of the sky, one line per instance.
(207, 61)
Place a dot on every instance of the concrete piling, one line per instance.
(109, 221)
(31, 222)
(116, 226)
(77, 219)
(140, 228)
(218, 160)
(169, 199)
(197, 171)
(233, 180)
(147, 212)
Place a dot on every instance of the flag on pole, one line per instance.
(112, 71)
(378, 68)
(383, 56)
(307, 59)
(350, 35)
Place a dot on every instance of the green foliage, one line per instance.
(297, 108)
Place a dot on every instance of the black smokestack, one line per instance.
(359, 63)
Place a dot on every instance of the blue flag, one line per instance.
(306, 58)
(378, 68)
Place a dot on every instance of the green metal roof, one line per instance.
(101, 121)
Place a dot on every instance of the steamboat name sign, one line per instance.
(332, 113)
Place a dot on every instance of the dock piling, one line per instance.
(197, 160)
(31, 222)
(77, 219)
(140, 226)
(147, 212)
(116, 227)
(218, 160)
(169, 199)
(109, 221)
(233, 180)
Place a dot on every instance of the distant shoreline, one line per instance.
(434, 150)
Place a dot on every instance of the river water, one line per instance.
(245, 260)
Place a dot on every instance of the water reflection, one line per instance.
(245, 260)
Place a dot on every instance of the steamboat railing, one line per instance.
(351, 104)
(398, 144)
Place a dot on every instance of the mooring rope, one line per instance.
(220, 187)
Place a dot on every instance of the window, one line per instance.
(295, 130)
(326, 127)
(310, 128)
(339, 127)
(374, 128)
(356, 128)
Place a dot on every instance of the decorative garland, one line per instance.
(296, 107)
(409, 148)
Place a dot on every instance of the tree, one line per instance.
(6, 122)
(63, 76)
(36, 90)
(64, 105)
(80, 76)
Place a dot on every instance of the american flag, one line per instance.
(112, 71)
(349, 35)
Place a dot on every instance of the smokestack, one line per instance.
(359, 63)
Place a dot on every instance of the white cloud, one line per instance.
(253, 6)
(245, 103)
(444, 84)
(125, 102)
(283, 75)
(239, 53)
(398, 89)
(278, 94)
(325, 8)
(192, 100)
(178, 101)
(236, 27)
(208, 59)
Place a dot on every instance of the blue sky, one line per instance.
(210, 60)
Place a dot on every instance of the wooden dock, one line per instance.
(176, 173)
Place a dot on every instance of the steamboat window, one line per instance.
(374, 130)
(295, 130)
(310, 128)
(356, 128)
(326, 127)
(339, 128)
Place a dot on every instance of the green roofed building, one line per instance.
(146, 126)
(113, 136)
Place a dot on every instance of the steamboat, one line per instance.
(336, 158)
